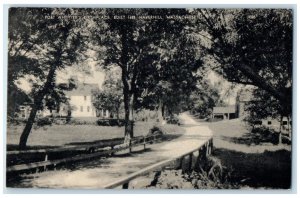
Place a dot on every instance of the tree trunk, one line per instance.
(118, 112)
(160, 111)
(128, 105)
(37, 102)
(163, 111)
(280, 134)
(289, 127)
(27, 129)
(128, 118)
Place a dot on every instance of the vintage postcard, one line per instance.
(149, 98)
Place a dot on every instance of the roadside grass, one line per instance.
(245, 161)
(59, 135)
(270, 169)
(253, 160)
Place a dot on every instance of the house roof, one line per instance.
(228, 109)
(83, 89)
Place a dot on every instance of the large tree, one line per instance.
(134, 45)
(40, 46)
(251, 46)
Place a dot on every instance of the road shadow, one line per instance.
(170, 137)
(115, 140)
(132, 153)
(15, 147)
(270, 169)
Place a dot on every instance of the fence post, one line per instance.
(125, 185)
(195, 158)
(211, 146)
(207, 148)
(130, 146)
(46, 159)
(112, 148)
(190, 161)
(186, 163)
(144, 143)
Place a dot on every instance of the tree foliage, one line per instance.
(203, 98)
(110, 97)
(252, 46)
(39, 47)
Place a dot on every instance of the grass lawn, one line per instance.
(251, 161)
(58, 135)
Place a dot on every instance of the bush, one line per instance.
(172, 120)
(44, 121)
(155, 131)
(111, 122)
(263, 134)
(60, 121)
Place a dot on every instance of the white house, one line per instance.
(79, 105)
(80, 100)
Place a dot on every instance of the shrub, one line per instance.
(155, 130)
(172, 120)
(44, 121)
(111, 122)
(264, 134)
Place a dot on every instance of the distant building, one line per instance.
(244, 96)
(228, 112)
(79, 105)
(80, 100)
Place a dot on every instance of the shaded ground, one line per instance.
(270, 169)
(252, 159)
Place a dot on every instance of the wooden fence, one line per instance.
(92, 152)
(187, 161)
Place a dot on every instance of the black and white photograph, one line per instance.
(149, 98)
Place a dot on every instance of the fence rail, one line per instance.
(46, 162)
(65, 148)
(187, 161)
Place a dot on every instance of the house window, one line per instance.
(269, 122)
(81, 108)
(84, 98)
(88, 108)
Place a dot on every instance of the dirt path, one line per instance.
(98, 173)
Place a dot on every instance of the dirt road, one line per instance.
(98, 173)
